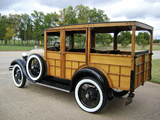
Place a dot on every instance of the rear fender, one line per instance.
(94, 72)
(22, 64)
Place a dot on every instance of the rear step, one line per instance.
(54, 84)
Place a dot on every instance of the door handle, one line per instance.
(63, 53)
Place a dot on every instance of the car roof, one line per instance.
(113, 26)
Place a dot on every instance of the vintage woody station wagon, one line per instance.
(95, 75)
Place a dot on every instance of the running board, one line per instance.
(54, 85)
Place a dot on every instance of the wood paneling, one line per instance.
(53, 55)
(73, 62)
(110, 59)
(54, 64)
(117, 66)
(142, 69)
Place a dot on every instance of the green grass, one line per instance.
(155, 71)
(16, 48)
(19, 46)
(18, 43)
(128, 48)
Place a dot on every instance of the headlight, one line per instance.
(24, 56)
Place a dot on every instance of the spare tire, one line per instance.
(35, 67)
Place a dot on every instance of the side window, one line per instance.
(101, 42)
(76, 41)
(53, 41)
(80, 40)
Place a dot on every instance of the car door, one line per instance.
(73, 56)
(52, 53)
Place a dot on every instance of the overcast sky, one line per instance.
(147, 11)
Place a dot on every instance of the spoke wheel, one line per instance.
(18, 77)
(35, 67)
(90, 95)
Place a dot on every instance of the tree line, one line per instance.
(27, 27)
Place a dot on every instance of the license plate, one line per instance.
(128, 100)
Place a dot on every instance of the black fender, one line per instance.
(22, 64)
(97, 74)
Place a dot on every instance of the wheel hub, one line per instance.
(32, 67)
(35, 69)
(91, 94)
(18, 74)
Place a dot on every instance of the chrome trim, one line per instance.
(67, 91)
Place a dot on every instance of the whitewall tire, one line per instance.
(18, 77)
(90, 95)
(35, 67)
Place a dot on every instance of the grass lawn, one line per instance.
(155, 71)
(28, 48)
(128, 48)
(17, 48)
(21, 47)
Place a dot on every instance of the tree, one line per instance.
(14, 20)
(124, 38)
(38, 18)
(142, 39)
(97, 16)
(3, 25)
(81, 14)
(27, 27)
(9, 34)
(156, 41)
(67, 16)
(50, 20)
(104, 39)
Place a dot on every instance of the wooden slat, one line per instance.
(141, 26)
(151, 41)
(112, 60)
(107, 24)
(53, 55)
(76, 57)
(89, 46)
(45, 45)
(62, 50)
(133, 46)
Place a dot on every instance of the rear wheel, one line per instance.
(90, 95)
(35, 67)
(18, 77)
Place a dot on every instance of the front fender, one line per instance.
(22, 63)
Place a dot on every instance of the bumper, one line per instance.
(10, 68)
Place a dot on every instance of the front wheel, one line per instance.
(18, 77)
(90, 95)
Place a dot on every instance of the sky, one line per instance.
(146, 11)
